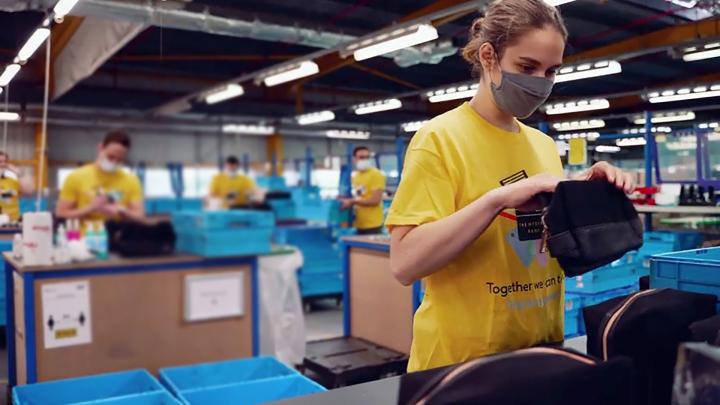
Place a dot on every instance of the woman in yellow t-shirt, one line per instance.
(233, 188)
(453, 222)
(11, 188)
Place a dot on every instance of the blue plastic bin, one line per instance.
(87, 389)
(193, 221)
(191, 204)
(5, 246)
(250, 241)
(603, 279)
(165, 205)
(155, 398)
(209, 375)
(256, 392)
(691, 270)
(573, 315)
(320, 284)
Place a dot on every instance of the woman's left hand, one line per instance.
(604, 170)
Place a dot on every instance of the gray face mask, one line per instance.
(519, 94)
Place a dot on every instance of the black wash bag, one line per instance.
(589, 224)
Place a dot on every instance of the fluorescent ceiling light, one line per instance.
(709, 125)
(590, 136)
(683, 94)
(556, 3)
(641, 131)
(225, 93)
(659, 118)
(63, 7)
(9, 116)
(343, 134)
(33, 43)
(377, 106)
(708, 51)
(578, 125)
(684, 3)
(393, 41)
(290, 73)
(315, 117)
(588, 70)
(629, 142)
(248, 129)
(413, 126)
(8, 74)
(452, 93)
(577, 106)
(607, 149)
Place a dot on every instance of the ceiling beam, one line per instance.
(664, 38)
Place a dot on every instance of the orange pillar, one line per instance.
(275, 154)
(41, 182)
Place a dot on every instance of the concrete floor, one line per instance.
(324, 321)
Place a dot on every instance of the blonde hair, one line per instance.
(505, 21)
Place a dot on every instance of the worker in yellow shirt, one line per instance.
(10, 188)
(453, 222)
(233, 188)
(368, 187)
(103, 190)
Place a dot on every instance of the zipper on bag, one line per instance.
(462, 369)
(615, 315)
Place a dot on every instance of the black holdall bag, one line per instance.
(535, 376)
(134, 239)
(589, 224)
(706, 330)
(647, 326)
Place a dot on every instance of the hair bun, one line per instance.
(477, 26)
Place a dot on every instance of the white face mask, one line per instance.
(231, 173)
(107, 166)
(364, 164)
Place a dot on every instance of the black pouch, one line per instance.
(590, 224)
(132, 239)
(536, 376)
(647, 326)
(706, 330)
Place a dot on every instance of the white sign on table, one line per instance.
(66, 314)
(214, 296)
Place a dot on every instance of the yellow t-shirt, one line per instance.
(84, 184)
(234, 190)
(9, 197)
(499, 294)
(364, 184)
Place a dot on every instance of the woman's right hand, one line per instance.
(521, 195)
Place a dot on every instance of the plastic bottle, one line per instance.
(101, 240)
(17, 246)
(91, 238)
(61, 238)
(73, 230)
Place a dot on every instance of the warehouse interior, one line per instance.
(188, 194)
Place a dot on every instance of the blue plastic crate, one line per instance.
(87, 389)
(155, 398)
(283, 209)
(165, 205)
(573, 315)
(256, 392)
(209, 375)
(240, 242)
(191, 204)
(272, 183)
(320, 284)
(193, 221)
(691, 270)
(603, 279)
(28, 204)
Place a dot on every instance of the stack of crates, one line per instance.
(248, 381)
(662, 242)
(692, 270)
(574, 304)
(223, 233)
(321, 274)
(136, 387)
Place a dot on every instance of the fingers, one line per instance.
(619, 178)
(629, 183)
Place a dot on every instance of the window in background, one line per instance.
(157, 183)
(292, 177)
(676, 155)
(713, 146)
(197, 181)
(328, 181)
(62, 175)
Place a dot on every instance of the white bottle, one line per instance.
(17, 246)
